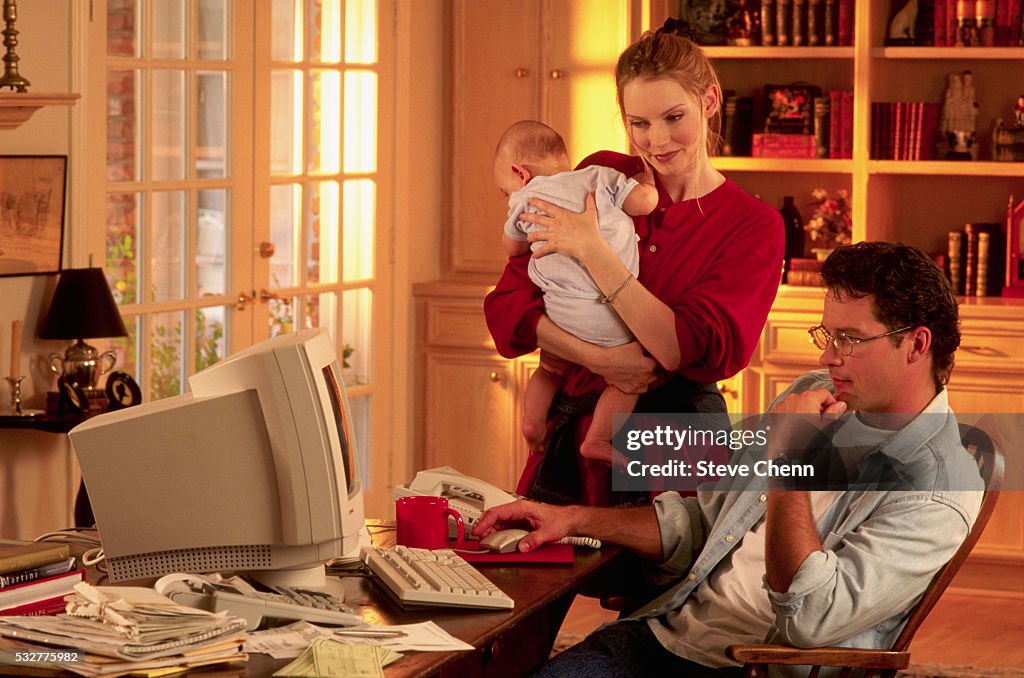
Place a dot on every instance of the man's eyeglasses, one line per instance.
(843, 342)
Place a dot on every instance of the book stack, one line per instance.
(35, 577)
(904, 130)
(804, 273)
(737, 121)
(976, 260)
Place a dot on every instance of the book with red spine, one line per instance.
(847, 124)
(20, 595)
(952, 28)
(897, 130)
(929, 130)
(1002, 23)
(1014, 13)
(835, 141)
(783, 146)
(939, 22)
(47, 606)
(845, 23)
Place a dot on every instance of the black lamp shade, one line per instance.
(82, 308)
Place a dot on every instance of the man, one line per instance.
(795, 567)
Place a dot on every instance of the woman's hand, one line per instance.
(625, 367)
(574, 234)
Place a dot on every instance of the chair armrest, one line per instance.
(819, 656)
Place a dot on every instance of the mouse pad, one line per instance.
(548, 553)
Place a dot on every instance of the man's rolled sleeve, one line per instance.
(870, 574)
(683, 532)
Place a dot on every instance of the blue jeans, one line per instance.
(627, 648)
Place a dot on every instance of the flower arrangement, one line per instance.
(831, 224)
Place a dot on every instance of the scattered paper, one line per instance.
(328, 658)
(287, 642)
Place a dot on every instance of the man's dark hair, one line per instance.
(909, 289)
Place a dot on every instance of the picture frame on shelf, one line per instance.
(32, 205)
(789, 109)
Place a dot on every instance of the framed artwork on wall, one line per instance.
(31, 213)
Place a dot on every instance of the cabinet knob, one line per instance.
(266, 249)
(494, 376)
(522, 73)
(557, 74)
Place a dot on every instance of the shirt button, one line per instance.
(763, 497)
(691, 576)
(728, 537)
(653, 248)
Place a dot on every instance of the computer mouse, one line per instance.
(503, 541)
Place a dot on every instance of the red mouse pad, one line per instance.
(548, 553)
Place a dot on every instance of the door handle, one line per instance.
(244, 300)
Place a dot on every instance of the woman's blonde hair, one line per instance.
(667, 56)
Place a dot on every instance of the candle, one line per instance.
(16, 327)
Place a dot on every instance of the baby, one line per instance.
(531, 161)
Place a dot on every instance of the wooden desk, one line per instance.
(508, 642)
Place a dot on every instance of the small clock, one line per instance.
(122, 390)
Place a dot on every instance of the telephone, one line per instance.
(468, 495)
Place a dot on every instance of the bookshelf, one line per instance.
(916, 202)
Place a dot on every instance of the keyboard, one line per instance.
(440, 577)
(239, 598)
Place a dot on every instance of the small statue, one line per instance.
(1018, 111)
(959, 115)
(901, 27)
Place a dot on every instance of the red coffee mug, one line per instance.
(423, 522)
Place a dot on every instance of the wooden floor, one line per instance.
(964, 629)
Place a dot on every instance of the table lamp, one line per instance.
(82, 307)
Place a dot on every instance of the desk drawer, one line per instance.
(785, 340)
(456, 324)
(990, 348)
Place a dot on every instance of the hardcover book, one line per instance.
(784, 146)
(32, 554)
(21, 595)
(34, 573)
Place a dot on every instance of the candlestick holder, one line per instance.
(15, 383)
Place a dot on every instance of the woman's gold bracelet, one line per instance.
(610, 297)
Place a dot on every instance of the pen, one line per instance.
(369, 633)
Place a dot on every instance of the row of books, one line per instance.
(35, 577)
(827, 134)
(995, 23)
(904, 130)
(807, 23)
(975, 261)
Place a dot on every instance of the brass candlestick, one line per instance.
(15, 383)
(11, 77)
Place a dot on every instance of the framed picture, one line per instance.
(31, 213)
(790, 108)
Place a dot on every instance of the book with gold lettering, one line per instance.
(21, 556)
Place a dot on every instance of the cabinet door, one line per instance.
(495, 82)
(469, 422)
(583, 40)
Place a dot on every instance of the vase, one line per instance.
(822, 252)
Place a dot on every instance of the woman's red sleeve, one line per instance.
(513, 309)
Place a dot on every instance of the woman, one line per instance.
(710, 265)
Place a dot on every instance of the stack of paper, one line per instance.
(329, 659)
(118, 630)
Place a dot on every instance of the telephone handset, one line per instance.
(468, 495)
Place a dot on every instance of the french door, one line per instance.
(241, 184)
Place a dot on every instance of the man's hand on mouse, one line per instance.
(546, 523)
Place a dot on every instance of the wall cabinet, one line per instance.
(470, 412)
(545, 60)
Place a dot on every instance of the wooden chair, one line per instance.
(885, 663)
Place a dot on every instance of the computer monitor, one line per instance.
(255, 470)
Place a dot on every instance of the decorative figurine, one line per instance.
(959, 115)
